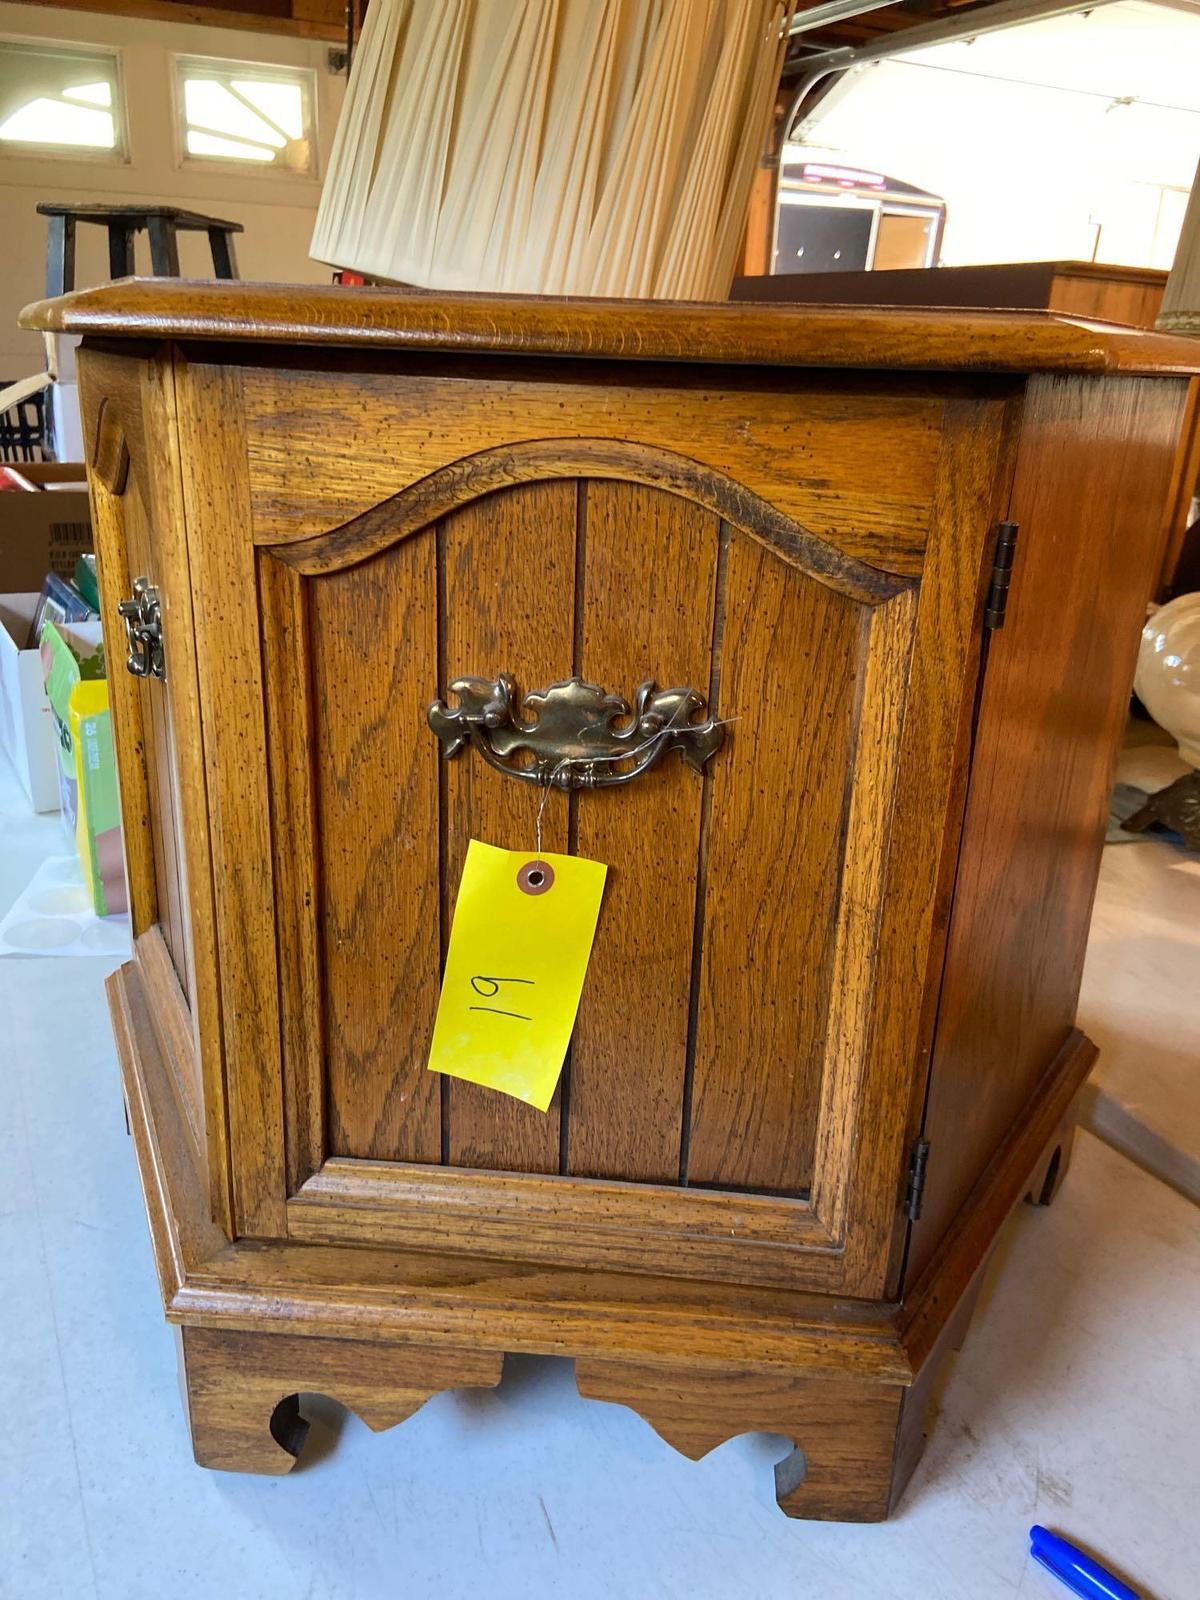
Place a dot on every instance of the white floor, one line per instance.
(1076, 1402)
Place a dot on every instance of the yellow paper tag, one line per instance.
(519, 947)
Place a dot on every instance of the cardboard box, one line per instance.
(73, 662)
(27, 734)
(44, 532)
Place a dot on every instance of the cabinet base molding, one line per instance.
(382, 1330)
(242, 1389)
(843, 1429)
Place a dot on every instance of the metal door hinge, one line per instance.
(996, 605)
(915, 1191)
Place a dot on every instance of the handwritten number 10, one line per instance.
(489, 988)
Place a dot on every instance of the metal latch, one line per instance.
(143, 628)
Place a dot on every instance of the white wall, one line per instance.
(1022, 133)
(276, 208)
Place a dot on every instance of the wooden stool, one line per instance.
(123, 222)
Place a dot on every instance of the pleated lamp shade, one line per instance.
(583, 147)
(1180, 310)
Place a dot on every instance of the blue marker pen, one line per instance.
(1079, 1572)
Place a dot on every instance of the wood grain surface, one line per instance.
(700, 1360)
(1054, 701)
(237, 1384)
(522, 325)
(215, 494)
(844, 1431)
(292, 717)
(648, 581)
(790, 657)
(374, 654)
(129, 416)
(860, 1179)
(742, 443)
(1129, 295)
(507, 565)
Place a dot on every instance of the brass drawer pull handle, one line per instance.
(143, 628)
(568, 730)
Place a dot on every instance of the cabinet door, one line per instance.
(138, 530)
(737, 1085)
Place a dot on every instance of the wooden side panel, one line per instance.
(790, 658)
(374, 661)
(649, 564)
(1054, 698)
(508, 600)
(164, 485)
(129, 407)
(215, 493)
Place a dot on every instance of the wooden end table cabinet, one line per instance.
(827, 1037)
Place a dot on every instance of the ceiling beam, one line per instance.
(303, 19)
(828, 11)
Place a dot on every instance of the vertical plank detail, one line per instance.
(163, 473)
(792, 656)
(374, 659)
(858, 1180)
(509, 585)
(287, 673)
(887, 650)
(216, 497)
(721, 584)
(648, 595)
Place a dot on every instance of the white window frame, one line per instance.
(119, 155)
(236, 67)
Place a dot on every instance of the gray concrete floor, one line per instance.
(1075, 1402)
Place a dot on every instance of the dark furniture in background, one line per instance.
(1130, 295)
(23, 429)
(162, 223)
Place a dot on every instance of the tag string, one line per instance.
(546, 781)
(546, 785)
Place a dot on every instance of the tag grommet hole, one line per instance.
(535, 877)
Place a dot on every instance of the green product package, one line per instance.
(84, 580)
(77, 689)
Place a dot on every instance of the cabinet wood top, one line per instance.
(639, 330)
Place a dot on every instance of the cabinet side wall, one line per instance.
(135, 474)
(1093, 469)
